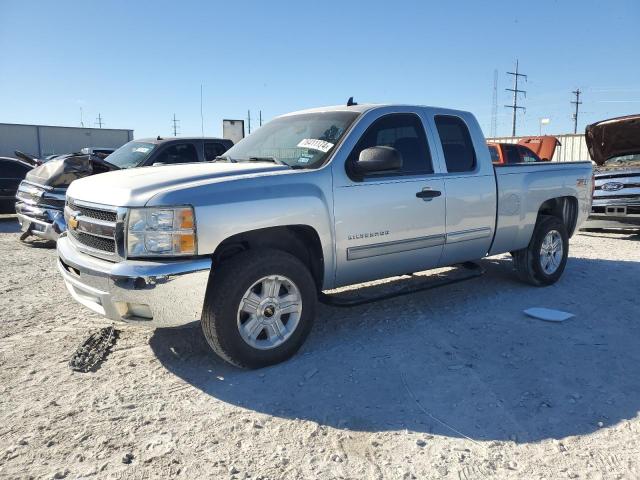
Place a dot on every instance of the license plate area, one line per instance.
(615, 210)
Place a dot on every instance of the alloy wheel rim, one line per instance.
(551, 252)
(269, 312)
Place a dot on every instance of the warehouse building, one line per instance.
(43, 140)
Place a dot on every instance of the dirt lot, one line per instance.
(451, 383)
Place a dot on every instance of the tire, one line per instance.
(248, 280)
(540, 268)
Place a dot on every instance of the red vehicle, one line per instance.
(527, 150)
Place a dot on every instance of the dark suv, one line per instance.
(41, 196)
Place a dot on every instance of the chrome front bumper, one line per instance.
(45, 223)
(611, 215)
(163, 293)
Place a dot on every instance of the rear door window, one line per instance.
(511, 153)
(11, 169)
(495, 157)
(527, 156)
(213, 150)
(177, 153)
(459, 154)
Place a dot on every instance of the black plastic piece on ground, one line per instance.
(344, 301)
(94, 350)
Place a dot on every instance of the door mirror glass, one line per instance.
(378, 159)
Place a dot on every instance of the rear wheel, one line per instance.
(259, 308)
(543, 261)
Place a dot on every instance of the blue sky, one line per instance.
(137, 63)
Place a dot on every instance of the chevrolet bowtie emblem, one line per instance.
(73, 223)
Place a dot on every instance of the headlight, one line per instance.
(166, 232)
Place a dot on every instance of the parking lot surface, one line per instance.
(452, 383)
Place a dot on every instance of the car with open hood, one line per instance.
(41, 196)
(614, 145)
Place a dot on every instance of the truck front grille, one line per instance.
(95, 229)
(91, 241)
(41, 196)
(104, 215)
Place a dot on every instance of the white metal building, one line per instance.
(43, 140)
(572, 149)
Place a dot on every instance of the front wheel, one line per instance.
(543, 261)
(259, 308)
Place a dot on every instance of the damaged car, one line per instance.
(614, 145)
(41, 196)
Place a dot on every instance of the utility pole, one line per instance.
(260, 117)
(249, 121)
(577, 103)
(494, 105)
(175, 125)
(99, 121)
(516, 91)
(201, 115)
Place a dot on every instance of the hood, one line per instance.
(60, 172)
(613, 138)
(136, 186)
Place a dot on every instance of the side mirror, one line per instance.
(377, 159)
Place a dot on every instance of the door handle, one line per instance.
(428, 194)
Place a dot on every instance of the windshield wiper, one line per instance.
(225, 158)
(266, 159)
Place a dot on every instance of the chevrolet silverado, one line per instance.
(311, 201)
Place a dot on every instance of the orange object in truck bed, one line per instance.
(544, 146)
(527, 150)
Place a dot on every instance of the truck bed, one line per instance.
(522, 188)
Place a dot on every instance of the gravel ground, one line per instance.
(451, 383)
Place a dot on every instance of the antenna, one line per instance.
(350, 102)
(515, 107)
(249, 121)
(81, 121)
(99, 121)
(260, 117)
(201, 116)
(175, 125)
(494, 106)
(577, 103)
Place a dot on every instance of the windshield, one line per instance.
(624, 160)
(131, 154)
(300, 141)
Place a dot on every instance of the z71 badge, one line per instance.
(357, 236)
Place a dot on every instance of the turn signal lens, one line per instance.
(186, 243)
(185, 219)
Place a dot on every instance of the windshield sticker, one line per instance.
(304, 159)
(315, 144)
(141, 149)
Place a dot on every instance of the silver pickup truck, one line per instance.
(311, 201)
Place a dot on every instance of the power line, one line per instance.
(577, 103)
(99, 121)
(175, 125)
(515, 107)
